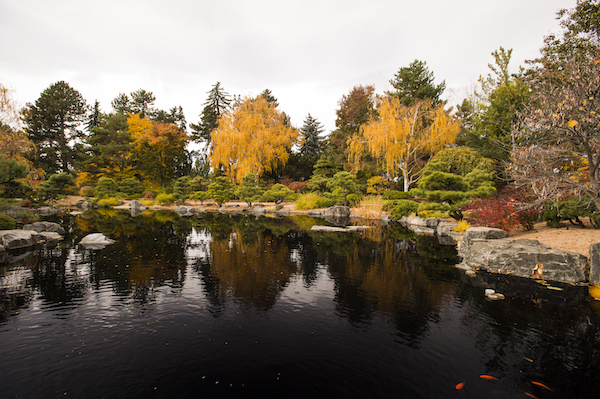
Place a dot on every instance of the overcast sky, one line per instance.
(308, 53)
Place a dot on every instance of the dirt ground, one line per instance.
(568, 238)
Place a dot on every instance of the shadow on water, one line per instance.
(380, 313)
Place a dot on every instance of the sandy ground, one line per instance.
(568, 238)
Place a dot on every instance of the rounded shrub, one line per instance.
(87, 191)
(394, 195)
(164, 198)
(7, 223)
(404, 208)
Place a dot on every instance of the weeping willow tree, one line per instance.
(253, 137)
(401, 136)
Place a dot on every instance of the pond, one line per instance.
(238, 306)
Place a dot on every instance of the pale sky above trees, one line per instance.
(308, 53)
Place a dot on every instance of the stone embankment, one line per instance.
(490, 249)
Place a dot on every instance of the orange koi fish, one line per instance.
(539, 384)
(489, 377)
(460, 386)
(531, 395)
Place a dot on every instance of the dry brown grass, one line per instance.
(370, 207)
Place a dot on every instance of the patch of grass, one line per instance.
(313, 201)
(147, 202)
(370, 207)
(108, 202)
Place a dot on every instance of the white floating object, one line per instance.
(489, 292)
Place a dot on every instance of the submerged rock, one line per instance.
(95, 241)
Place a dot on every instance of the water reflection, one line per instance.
(381, 312)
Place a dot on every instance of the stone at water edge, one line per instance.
(40, 227)
(96, 241)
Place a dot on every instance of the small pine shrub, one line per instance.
(7, 223)
(354, 199)
(404, 208)
(394, 195)
(313, 201)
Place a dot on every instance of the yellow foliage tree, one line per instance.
(251, 138)
(401, 136)
(158, 148)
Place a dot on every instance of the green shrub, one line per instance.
(106, 187)
(354, 199)
(404, 208)
(108, 202)
(433, 206)
(278, 193)
(7, 223)
(394, 195)
(164, 198)
(182, 188)
(445, 196)
(443, 181)
(131, 187)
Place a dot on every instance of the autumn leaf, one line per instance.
(595, 291)
(572, 123)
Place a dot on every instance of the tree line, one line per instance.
(534, 130)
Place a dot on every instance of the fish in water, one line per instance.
(539, 384)
(460, 385)
(489, 377)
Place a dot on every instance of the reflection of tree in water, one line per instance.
(389, 276)
(251, 266)
(16, 291)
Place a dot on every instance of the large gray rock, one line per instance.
(525, 258)
(479, 233)
(415, 222)
(446, 234)
(184, 210)
(40, 227)
(595, 262)
(95, 241)
(84, 205)
(14, 239)
(337, 211)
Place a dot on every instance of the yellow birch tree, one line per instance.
(251, 138)
(401, 136)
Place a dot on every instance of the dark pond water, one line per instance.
(222, 306)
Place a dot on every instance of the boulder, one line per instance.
(595, 262)
(479, 233)
(524, 258)
(14, 239)
(416, 223)
(446, 234)
(258, 210)
(95, 241)
(184, 210)
(40, 227)
(337, 211)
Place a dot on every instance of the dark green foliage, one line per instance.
(404, 208)
(459, 160)
(10, 171)
(249, 191)
(414, 83)
(571, 210)
(278, 193)
(106, 187)
(131, 186)
(394, 195)
(182, 188)
(7, 223)
(449, 197)
(312, 144)
(443, 181)
(52, 123)
(216, 104)
(199, 196)
(342, 184)
(221, 190)
(354, 199)
(55, 185)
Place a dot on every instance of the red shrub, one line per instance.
(297, 186)
(507, 211)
